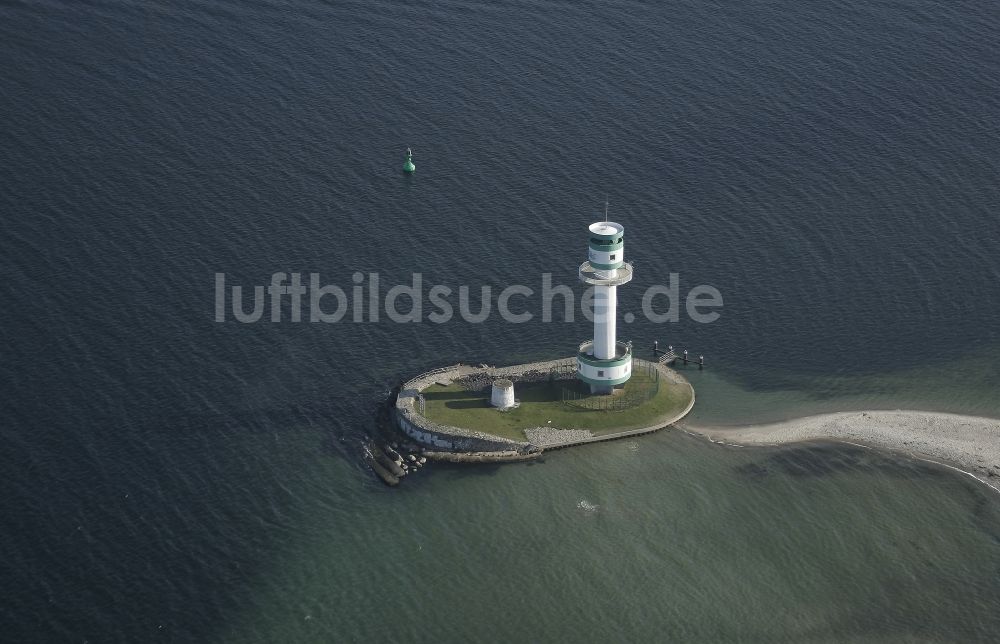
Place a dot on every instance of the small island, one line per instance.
(483, 413)
(449, 412)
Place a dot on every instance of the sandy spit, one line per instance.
(968, 443)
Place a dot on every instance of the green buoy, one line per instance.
(408, 166)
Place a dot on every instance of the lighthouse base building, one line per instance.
(604, 362)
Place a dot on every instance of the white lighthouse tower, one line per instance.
(604, 362)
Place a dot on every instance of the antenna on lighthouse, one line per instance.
(605, 207)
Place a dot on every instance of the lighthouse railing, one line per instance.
(622, 349)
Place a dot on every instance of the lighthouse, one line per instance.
(604, 361)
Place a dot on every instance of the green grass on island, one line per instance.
(542, 402)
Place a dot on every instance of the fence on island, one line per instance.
(641, 387)
(561, 375)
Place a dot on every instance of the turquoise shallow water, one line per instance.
(664, 537)
(831, 169)
(959, 384)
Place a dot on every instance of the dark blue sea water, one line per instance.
(831, 168)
